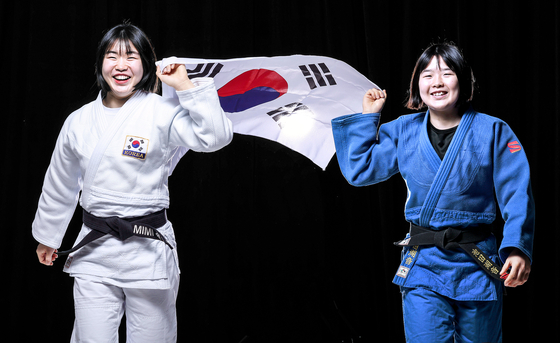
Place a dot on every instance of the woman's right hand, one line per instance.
(374, 100)
(176, 76)
(46, 255)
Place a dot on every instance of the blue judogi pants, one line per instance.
(431, 317)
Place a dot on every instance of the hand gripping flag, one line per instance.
(288, 99)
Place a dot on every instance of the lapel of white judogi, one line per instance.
(124, 113)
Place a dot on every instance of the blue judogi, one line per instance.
(484, 159)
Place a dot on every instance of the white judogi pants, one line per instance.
(99, 307)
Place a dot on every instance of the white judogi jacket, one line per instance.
(122, 170)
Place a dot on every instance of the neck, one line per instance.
(445, 120)
(113, 101)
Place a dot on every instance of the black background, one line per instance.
(273, 248)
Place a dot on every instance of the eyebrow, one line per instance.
(432, 70)
(132, 52)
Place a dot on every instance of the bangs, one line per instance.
(120, 45)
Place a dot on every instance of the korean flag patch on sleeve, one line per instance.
(136, 147)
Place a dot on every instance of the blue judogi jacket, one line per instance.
(484, 159)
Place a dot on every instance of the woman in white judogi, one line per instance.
(119, 151)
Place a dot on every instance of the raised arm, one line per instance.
(366, 153)
(203, 126)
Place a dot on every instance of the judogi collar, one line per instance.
(443, 167)
(129, 107)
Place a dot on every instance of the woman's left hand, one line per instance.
(175, 75)
(520, 268)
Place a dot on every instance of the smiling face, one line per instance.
(438, 86)
(122, 70)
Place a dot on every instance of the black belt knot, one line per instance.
(121, 228)
(449, 238)
(456, 238)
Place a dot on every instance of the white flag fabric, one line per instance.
(288, 99)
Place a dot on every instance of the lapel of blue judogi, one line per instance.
(445, 166)
(442, 170)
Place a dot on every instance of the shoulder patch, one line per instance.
(514, 146)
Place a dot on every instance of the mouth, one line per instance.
(439, 94)
(121, 78)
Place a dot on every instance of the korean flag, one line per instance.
(288, 99)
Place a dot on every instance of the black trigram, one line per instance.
(205, 70)
(315, 76)
(285, 111)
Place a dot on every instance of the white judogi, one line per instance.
(122, 170)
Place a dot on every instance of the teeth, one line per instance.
(438, 93)
(122, 77)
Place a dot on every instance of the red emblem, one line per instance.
(514, 146)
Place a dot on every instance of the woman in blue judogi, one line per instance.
(454, 161)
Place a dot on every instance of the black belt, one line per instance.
(122, 228)
(453, 238)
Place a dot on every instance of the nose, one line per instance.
(121, 64)
(438, 80)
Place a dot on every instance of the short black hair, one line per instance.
(128, 34)
(455, 60)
